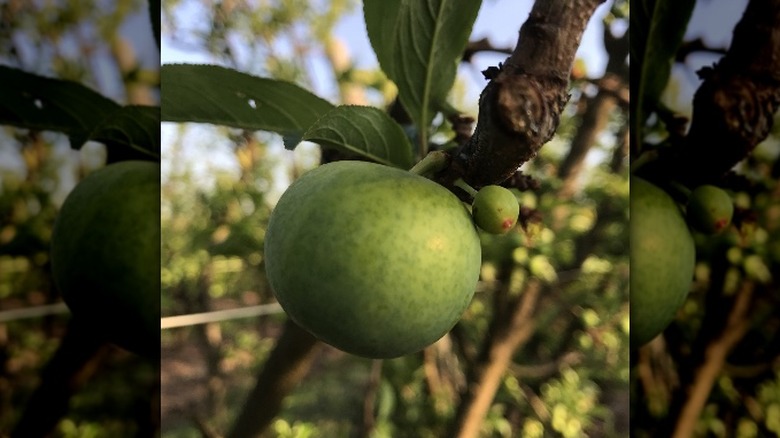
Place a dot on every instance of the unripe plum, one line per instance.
(105, 254)
(662, 260)
(376, 261)
(495, 209)
(709, 209)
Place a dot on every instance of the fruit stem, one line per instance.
(643, 159)
(433, 162)
(682, 192)
(467, 188)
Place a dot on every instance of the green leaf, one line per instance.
(38, 102)
(382, 19)
(137, 127)
(654, 47)
(223, 96)
(364, 131)
(418, 44)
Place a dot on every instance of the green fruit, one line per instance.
(662, 260)
(495, 209)
(709, 209)
(105, 254)
(374, 260)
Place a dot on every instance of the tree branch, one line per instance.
(289, 361)
(733, 108)
(482, 45)
(696, 46)
(505, 335)
(520, 107)
(77, 359)
(715, 357)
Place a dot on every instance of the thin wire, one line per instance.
(33, 312)
(165, 323)
(219, 315)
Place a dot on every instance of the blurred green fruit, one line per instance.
(374, 260)
(495, 209)
(709, 209)
(662, 260)
(105, 254)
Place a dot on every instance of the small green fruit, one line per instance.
(495, 209)
(709, 209)
(374, 260)
(662, 260)
(105, 254)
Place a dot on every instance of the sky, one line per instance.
(498, 20)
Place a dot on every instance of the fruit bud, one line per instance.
(495, 209)
(709, 209)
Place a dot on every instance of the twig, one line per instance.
(715, 354)
(536, 402)
(369, 400)
(545, 370)
(504, 337)
(696, 46)
(76, 360)
(482, 45)
(431, 371)
(594, 120)
(205, 429)
(289, 361)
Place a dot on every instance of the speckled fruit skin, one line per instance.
(709, 209)
(662, 260)
(105, 254)
(374, 260)
(495, 209)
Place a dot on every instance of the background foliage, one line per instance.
(95, 52)
(717, 365)
(569, 375)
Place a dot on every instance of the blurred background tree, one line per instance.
(545, 341)
(715, 371)
(108, 47)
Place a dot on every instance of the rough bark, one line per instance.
(519, 109)
(733, 109)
